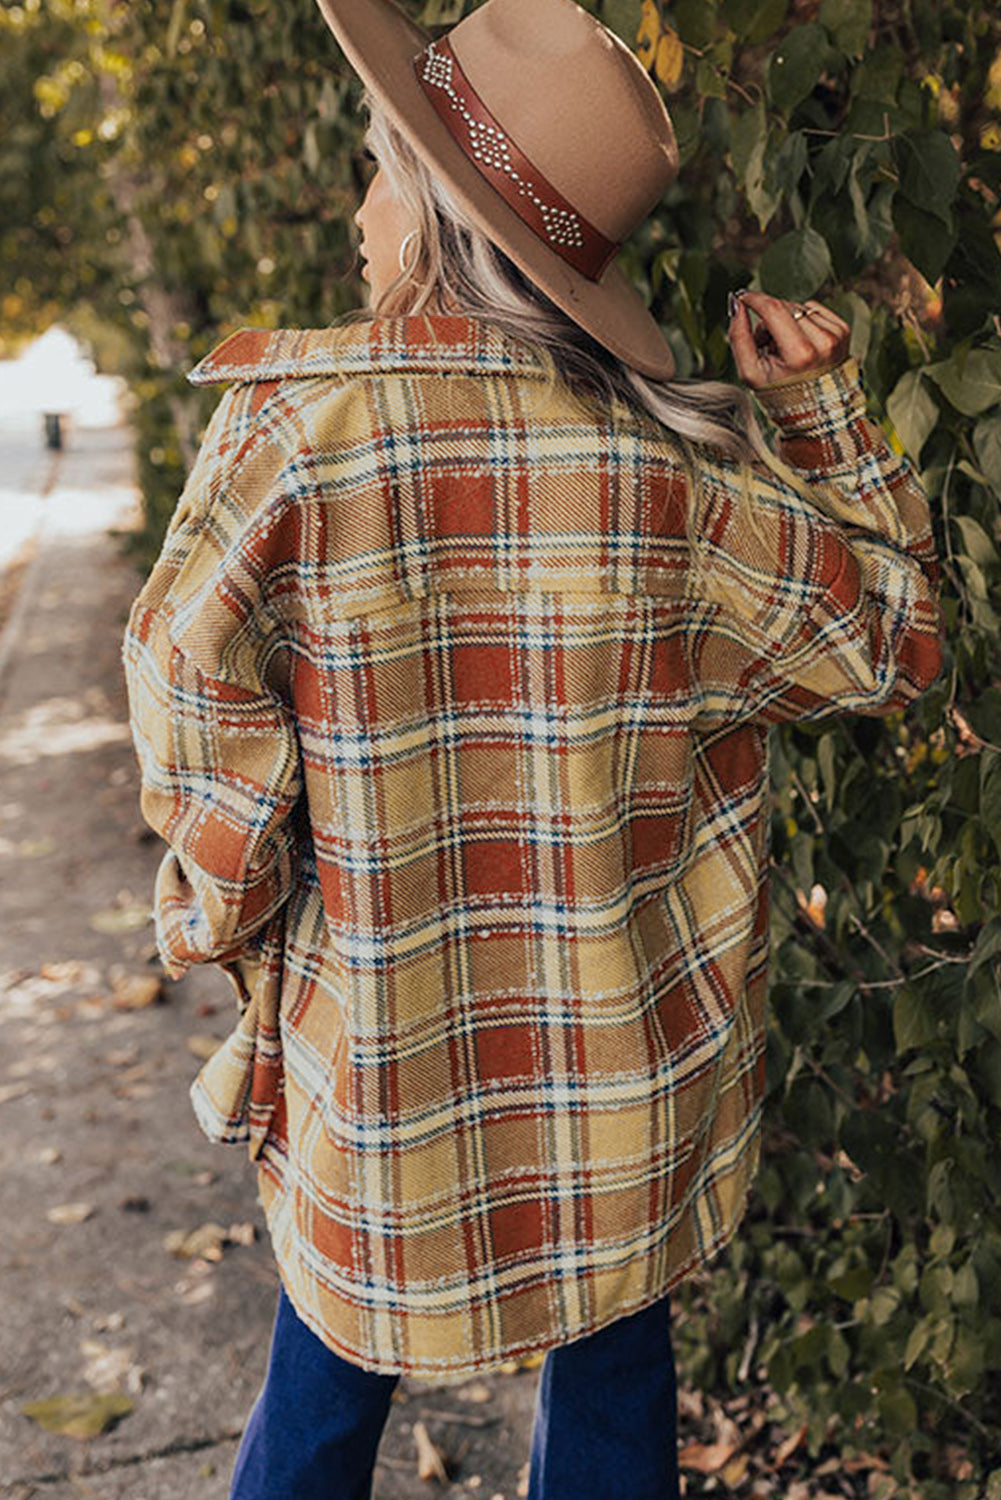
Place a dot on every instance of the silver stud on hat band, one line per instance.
(489, 145)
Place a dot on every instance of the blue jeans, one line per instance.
(605, 1417)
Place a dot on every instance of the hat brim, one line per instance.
(380, 42)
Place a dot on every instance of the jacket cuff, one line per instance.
(824, 401)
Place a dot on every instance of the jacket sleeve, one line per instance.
(803, 606)
(216, 742)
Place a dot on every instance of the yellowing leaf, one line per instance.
(84, 1416)
(69, 1213)
(670, 59)
(649, 34)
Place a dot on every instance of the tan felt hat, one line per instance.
(548, 131)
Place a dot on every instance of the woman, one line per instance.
(451, 691)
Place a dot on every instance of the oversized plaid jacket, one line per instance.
(461, 761)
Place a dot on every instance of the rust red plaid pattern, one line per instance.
(462, 767)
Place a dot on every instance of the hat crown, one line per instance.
(576, 101)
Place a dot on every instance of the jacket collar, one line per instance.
(417, 343)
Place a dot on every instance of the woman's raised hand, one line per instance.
(791, 340)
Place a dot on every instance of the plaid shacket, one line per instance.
(462, 766)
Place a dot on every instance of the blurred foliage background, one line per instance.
(170, 172)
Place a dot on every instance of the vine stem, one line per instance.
(861, 928)
(957, 1406)
(818, 822)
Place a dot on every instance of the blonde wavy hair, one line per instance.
(456, 266)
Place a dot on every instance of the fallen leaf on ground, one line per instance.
(789, 1445)
(36, 848)
(47, 1062)
(13, 1091)
(126, 918)
(69, 1213)
(203, 1046)
(733, 1471)
(242, 1234)
(109, 1322)
(197, 1284)
(77, 1416)
(691, 1404)
(91, 1009)
(49, 1155)
(705, 1458)
(135, 991)
(863, 1461)
(70, 971)
(478, 1391)
(109, 1370)
(120, 1057)
(430, 1458)
(207, 1241)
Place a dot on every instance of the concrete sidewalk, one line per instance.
(103, 1157)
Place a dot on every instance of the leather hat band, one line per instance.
(507, 169)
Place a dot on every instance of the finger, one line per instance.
(825, 317)
(746, 354)
(793, 346)
(820, 342)
(822, 338)
(754, 350)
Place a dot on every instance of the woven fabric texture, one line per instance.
(460, 750)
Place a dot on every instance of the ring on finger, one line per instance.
(821, 313)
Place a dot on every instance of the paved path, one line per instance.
(94, 1097)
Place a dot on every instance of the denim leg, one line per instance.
(606, 1414)
(314, 1430)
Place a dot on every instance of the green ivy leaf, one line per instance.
(694, 21)
(913, 410)
(621, 16)
(972, 383)
(987, 446)
(985, 715)
(913, 1019)
(976, 543)
(748, 146)
(917, 1342)
(930, 170)
(796, 65)
(848, 22)
(796, 265)
(988, 944)
(926, 239)
(896, 1407)
(754, 21)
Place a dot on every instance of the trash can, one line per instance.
(53, 429)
